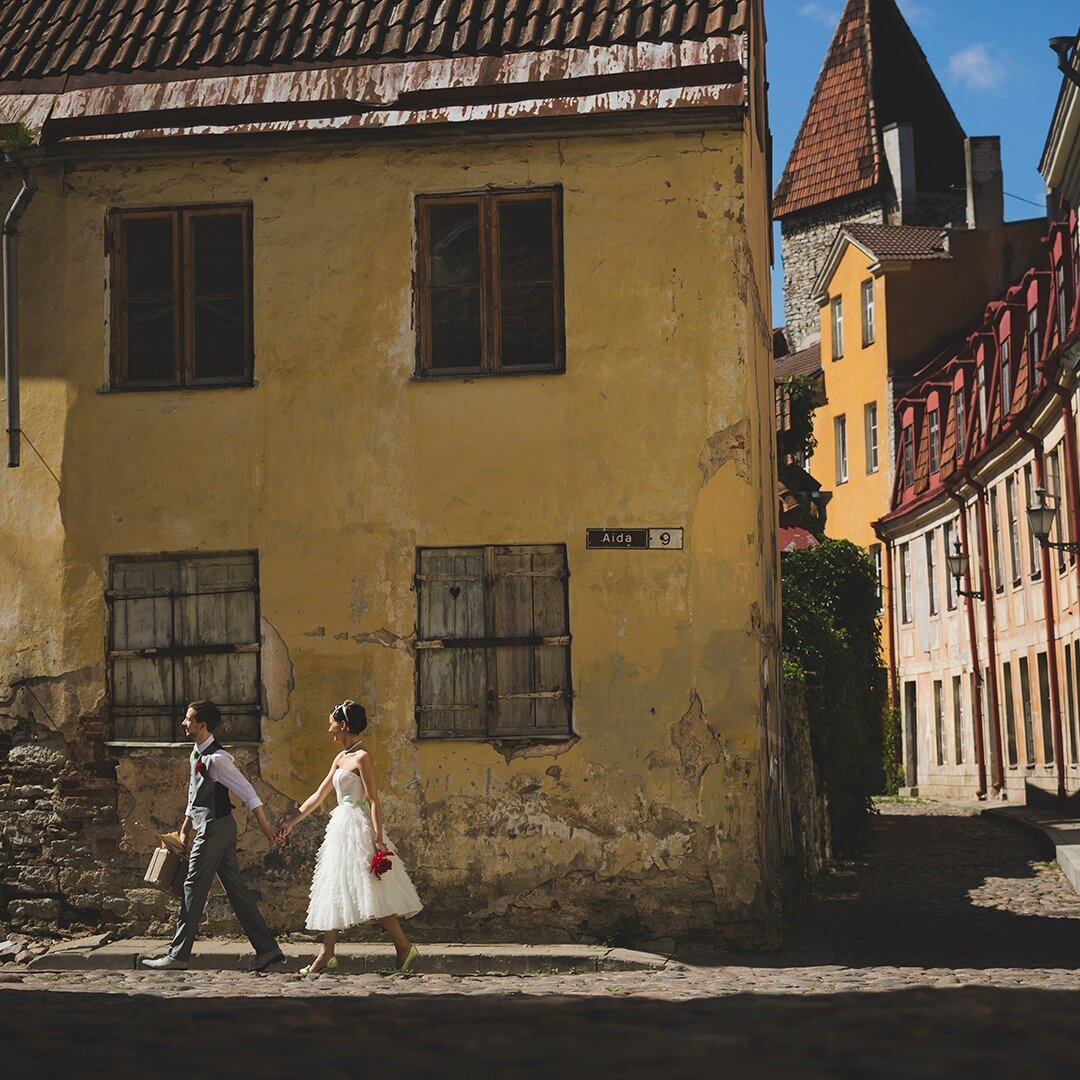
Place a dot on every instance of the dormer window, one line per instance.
(1006, 379)
(1033, 344)
(934, 427)
(958, 399)
(909, 456)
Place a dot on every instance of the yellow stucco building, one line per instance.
(326, 374)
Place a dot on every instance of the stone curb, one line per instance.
(1062, 832)
(448, 959)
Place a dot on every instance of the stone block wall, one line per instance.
(806, 240)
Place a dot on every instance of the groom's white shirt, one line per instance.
(221, 768)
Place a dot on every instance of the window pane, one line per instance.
(151, 342)
(219, 338)
(527, 317)
(148, 248)
(455, 328)
(525, 240)
(217, 255)
(454, 237)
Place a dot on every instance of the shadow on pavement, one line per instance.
(923, 1032)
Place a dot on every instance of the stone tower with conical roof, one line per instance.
(879, 144)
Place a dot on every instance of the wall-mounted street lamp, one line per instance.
(958, 568)
(1063, 46)
(1041, 520)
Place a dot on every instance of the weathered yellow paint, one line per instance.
(339, 463)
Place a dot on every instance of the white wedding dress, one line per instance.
(344, 891)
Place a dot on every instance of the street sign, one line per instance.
(634, 539)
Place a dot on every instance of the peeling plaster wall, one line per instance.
(666, 806)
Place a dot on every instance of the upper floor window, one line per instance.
(836, 309)
(1006, 379)
(934, 433)
(931, 570)
(1014, 527)
(949, 537)
(490, 278)
(871, 434)
(840, 434)
(868, 329)
(1033, 546)
(181, 297)
(909, 456)
(181, 628)
(1033, 345)
(905, 583)
(1062, 304)
(879, 575)
(958, 400)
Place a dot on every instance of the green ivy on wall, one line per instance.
(832, 645)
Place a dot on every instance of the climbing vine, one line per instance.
(831, 640)
(802, 399)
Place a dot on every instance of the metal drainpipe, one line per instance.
(998, 772)
(11, 309)
(1051, 622)
(891, 611)
(976, 704)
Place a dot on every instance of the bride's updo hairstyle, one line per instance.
(352, 715)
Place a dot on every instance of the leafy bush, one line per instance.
(891, 761)
(831, 631)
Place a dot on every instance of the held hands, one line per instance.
(287, 827)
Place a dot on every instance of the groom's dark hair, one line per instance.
(206, 712)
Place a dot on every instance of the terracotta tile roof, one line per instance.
(50, 38)
(836, 150)
(795, 365)
(902, 242)
(874, 74)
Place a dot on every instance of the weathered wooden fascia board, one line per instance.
(571, 82)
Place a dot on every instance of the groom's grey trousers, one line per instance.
(214, 852)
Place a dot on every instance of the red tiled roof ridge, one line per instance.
(799, 185)
(794, 365)
(901, 241)
(875, 73)
(47, 39)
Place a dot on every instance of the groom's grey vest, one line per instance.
(208, 798)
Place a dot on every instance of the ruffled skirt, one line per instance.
(344, 891)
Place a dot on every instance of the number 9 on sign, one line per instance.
(666, 538)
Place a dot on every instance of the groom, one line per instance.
(210, 832)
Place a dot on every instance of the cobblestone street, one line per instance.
(952, 949)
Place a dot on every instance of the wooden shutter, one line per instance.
(219, 615)
(531, 671)
(451, 681)
(143, 687)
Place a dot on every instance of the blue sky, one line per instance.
(990, 56)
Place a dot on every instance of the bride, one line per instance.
(345, 889)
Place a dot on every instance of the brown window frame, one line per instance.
(490, 329)
(183, 298)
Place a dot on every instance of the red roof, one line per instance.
(53, 38)
(795, 539)
(901, 242)
(798, 364)
(874, 74)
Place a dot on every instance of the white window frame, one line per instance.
(836, 319)
(869, 330)
(840, 437)
(870, 425)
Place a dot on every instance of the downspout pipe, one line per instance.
(1051, 624)
(976, 704)
(11, 308)
(998, 770)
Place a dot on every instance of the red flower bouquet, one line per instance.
(380, 863)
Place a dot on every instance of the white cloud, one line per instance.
(825, 14)
(977, 69)
(916, 12)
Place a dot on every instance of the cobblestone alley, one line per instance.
(953, 949)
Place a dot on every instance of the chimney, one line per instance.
(899, 142)
(985, 193)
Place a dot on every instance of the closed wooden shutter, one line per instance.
(143, 684)
(181, 629)
(529, 602)
(493, 649)
(452, 680)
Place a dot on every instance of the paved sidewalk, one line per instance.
(1062, 830)
(234, 954)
